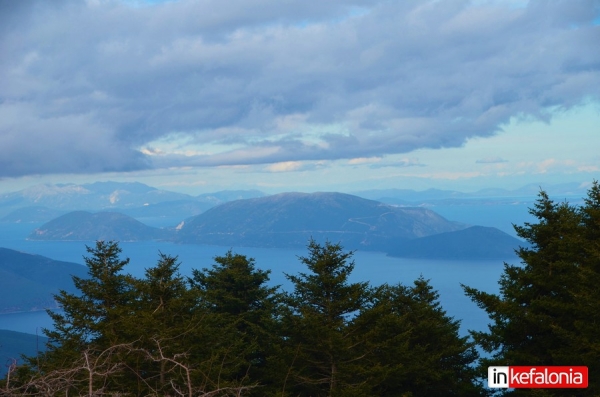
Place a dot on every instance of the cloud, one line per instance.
(286, 166)
(405, 162)
(448, 175)
(100, 85)
(555, 165)
(364, 160)
(293, 166)
(491, 160)
(588, 168)
(59, 143)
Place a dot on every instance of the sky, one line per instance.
(197, 96)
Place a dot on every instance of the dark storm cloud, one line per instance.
(86, 85)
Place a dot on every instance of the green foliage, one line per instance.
(548, 309)
(225, 332)
(234, 286)
(163, 314)
(346, 339)
(150, 336)
(318, 332)
(413, 347)
(93, 318)
(236, 294)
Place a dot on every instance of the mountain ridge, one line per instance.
(29, 281)
(290, 220)
(87, 226)
(132, 198)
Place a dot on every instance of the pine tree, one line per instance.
(413, 347)
(548, 312)
(93, 314)
(588, 299)
(321, 351)
(234, 286)
(126, 336)
(162, 318)
(236, 294)
(92, 320)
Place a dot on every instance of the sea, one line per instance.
(445, 276)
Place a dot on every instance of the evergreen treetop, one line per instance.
(548, 309)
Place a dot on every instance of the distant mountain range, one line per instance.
(28, 282)
(290, 219)
(99, 195)
(135, 199)
(42, 203)
(527, 193)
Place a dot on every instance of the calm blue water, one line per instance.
(376, 268)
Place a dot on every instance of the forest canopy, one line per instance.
(225, 331)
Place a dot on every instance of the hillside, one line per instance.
(186, 208)
(291, 219)
(476, 242)
(85, 226)
(14, 344)
(27, 282)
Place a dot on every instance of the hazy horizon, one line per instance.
(563, 190)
